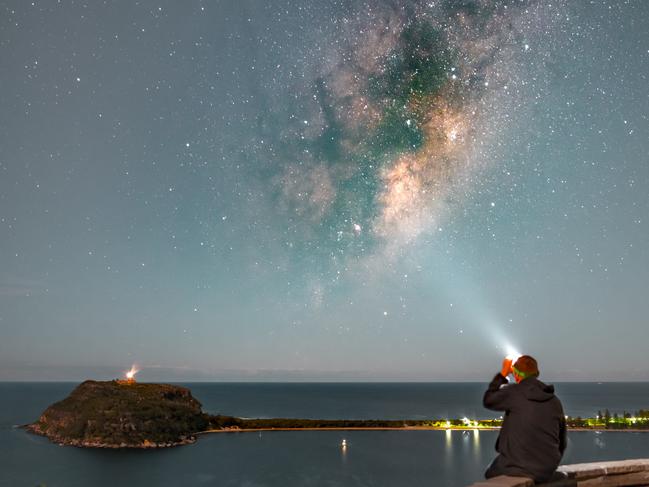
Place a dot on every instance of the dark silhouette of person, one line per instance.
(533, 434)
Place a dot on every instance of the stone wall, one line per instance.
(598, 474)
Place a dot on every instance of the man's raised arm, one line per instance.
(497, 398)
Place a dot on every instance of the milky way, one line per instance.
(407, 109)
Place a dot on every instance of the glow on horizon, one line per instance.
(130, 374)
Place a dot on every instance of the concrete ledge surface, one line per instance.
(599, 469)
(622, 473)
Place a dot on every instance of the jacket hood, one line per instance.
(535, 390)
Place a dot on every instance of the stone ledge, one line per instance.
(623, 473)
(604, 469)
(617, 480)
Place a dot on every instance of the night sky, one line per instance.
(330, 190)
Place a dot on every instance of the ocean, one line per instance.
(306, 458)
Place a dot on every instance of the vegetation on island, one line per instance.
(123, 414)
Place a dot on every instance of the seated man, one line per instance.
(533, 435)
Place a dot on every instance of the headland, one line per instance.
(123, 414)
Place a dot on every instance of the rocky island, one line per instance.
(123, 414)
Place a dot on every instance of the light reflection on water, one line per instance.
(476, 443)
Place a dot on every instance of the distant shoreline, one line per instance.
(128, 414)
(397, 428)
(318, 382)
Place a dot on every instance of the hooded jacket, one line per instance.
(533, 434)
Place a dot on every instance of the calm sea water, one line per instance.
(373, 458)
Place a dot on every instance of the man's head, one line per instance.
(525, 367)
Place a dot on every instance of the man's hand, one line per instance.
(507, 367)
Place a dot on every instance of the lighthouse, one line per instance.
(130, 376)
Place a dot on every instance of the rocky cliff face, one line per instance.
(116, 414)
